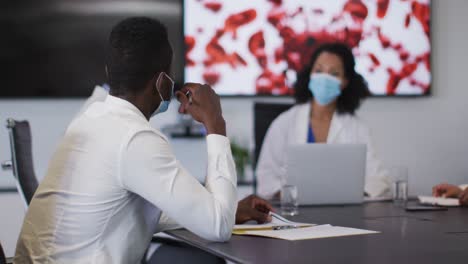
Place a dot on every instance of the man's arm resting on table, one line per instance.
(151, 170)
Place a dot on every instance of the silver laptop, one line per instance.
(327, 173)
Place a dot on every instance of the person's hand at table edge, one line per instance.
(253, 208)
(463, 197)
(446, 190)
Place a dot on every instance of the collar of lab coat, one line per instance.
(123, 105)
(129, 111)
(303, 117)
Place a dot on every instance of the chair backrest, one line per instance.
(2, 255)
(22, 159)
(264, 114)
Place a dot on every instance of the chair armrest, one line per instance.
(7, 165)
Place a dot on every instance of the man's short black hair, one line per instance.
(138, 48)
(352, 96)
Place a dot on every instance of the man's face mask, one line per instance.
(164, 82)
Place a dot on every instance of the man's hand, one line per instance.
(253, 208)
(464, 197)
(446, 190)
(203, 104)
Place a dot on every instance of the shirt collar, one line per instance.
(123, 104)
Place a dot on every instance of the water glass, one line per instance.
(399, 177)
(289, 204)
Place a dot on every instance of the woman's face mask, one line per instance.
(325, 87)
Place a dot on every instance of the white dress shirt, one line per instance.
(99, 94)
(291, 127)
(107, 184)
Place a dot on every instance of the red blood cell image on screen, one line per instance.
(357, 9)
(211, 77)
(233, 22)
(217, 54)
(374, 59)
(385, 41)
(189, 44)
(422, 13)
(258, 46)
(382, 7)
(407, 20)
(276, 2)
(275, 16)
(317, 11)
(271, 83)
(213, 6)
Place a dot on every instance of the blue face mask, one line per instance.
(164, 105)
(324, 87)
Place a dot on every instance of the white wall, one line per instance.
(426, 134)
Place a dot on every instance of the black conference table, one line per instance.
(406, 237)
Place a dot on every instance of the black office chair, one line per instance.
(2, 255)
(21, 159)
(264, 114)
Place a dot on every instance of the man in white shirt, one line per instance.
(113, 175)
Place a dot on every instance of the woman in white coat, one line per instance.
(328, 92)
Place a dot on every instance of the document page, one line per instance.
(276, 222)
(282, 228)
(313, 232)
(439, 201)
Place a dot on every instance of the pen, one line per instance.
(266, 228)
(277, 216)
(285, 227)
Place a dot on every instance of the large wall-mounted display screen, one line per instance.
(56, 49)
(256, 47)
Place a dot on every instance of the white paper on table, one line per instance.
(313, 232)
(439, 201)
(274, 222)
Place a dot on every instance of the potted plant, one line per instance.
(241, 159)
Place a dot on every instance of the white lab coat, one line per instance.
(291, 127)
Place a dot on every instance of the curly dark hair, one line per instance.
(352, 96)
(138, 49)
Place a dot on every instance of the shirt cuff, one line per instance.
(217, 144)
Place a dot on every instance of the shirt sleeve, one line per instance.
(271, 166)
(377, 179)
(151, 170)
(166, 223)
